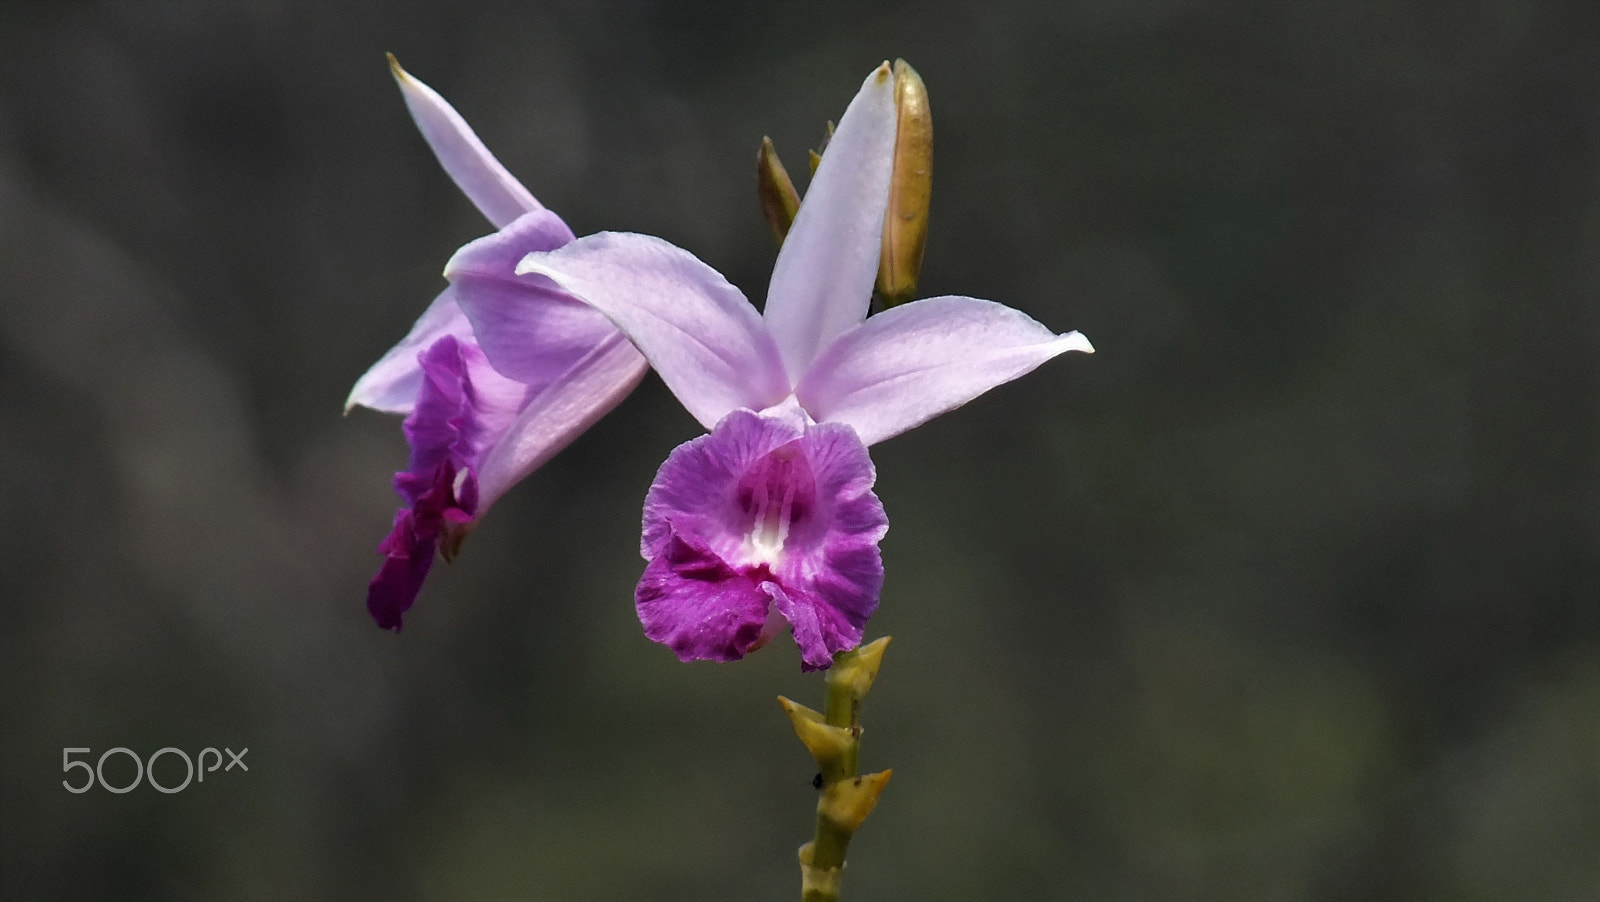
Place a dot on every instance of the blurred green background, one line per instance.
(1291, 592)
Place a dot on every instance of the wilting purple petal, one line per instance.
(822, 282)
(563, 410)
(762, 503)
(698, 331)
(392, 383)
(407, 560)
(693, 602)
(479, 175)
(473, 434)
(447, 496)
(911, 363)
(464, 407)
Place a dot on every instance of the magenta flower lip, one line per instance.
(767, 517)
(810, 374)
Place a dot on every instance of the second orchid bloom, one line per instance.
(496, 376)
(769, 522)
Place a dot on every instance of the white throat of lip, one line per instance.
(770, 530)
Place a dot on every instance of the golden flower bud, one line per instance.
(779, 201)
(905, 225)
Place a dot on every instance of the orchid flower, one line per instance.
(771, 519)
(485, 406)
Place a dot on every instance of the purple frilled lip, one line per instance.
(764, 522)
(497, 375)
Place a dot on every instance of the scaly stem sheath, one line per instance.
(833, 737)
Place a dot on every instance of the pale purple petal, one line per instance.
(530, 330)
(822, 282)
(698, 331)
(499, 196)
(693, 602)
(392, 383)
(911, 363)
(562, 411)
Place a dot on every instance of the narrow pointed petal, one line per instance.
(530, 330)
(498, 195)
(822, 282)
(560, 413)
(391, 384)
(698, 331)
(911, 363)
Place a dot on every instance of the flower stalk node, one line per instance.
(853, 673)
(829, 746)
(816, 883)
(846, 803)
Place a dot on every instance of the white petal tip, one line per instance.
(1077, 341)
(400, 75)
(883, 73)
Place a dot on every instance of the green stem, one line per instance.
(847, 797)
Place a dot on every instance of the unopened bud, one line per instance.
(905, 225)
(779, 201)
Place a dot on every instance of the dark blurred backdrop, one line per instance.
(1291, 592)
